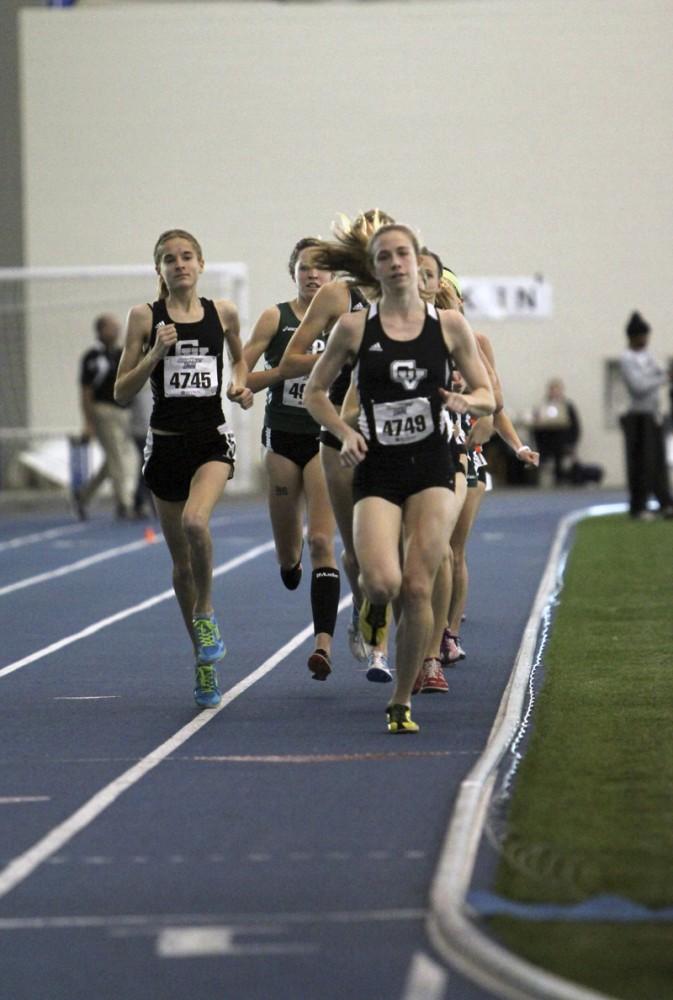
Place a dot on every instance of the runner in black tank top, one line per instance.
(178, 343)
(401, 421)
(291, 460)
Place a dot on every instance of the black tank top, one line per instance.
(398, 383)
(187, 382)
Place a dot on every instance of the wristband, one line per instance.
(524, 447)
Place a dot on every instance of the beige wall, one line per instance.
(519, 136)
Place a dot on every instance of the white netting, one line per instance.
(46, 324)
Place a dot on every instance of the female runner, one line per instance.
(403, 481)
(291, 455)
(178, 343)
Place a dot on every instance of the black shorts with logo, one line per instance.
(395, 477)
(298, 448)
(170, 460)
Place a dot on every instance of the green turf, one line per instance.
(592, 810)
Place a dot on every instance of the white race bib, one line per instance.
(190, 375)
(293, 391)
(405, 422)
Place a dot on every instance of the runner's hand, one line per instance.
(454, 401)
(353, 449)
(167, 337)
(240, 394)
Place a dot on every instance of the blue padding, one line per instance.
(608, 909)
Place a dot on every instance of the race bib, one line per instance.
(403, 423)
(293, 391)
(190, 375)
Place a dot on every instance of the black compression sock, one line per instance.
(325, 589)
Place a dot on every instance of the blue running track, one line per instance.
(280, 848)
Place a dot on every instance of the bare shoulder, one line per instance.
(351, 322)
(139, 321)
(268, 318)
(228, 313)
(335, 295)
(339, 292)
(266, 325)
(453, 323)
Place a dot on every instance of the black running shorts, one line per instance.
(298, 448)
(395, 477)
(170, 460)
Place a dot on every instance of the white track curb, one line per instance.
(450, 927)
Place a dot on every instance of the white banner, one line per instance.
(507, 298)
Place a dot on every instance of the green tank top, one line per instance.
(285, 410)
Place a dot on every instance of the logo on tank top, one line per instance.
(184, 348)
(407, 374)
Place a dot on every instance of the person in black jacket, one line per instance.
(106, 420)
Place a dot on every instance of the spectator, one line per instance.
(106, 420)
(643, 435)
(556, 427)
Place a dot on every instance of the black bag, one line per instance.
(580, 474)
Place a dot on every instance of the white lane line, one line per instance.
(85, 697)
(22, 866)
(40, 536)
(75, 567)
(10, 800)
(426, 980)
(131, 921)
(70, 529)
(191, 942)
(127, 612)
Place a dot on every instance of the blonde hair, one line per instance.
(347, 253)
(447, 296)
(171, 234)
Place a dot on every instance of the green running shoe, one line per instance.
(400, 721)
(208, 642)
(206, 690)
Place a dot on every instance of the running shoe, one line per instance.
(378, 670)
(450, 651)
(207, 639)
(399, 719)
(374, 620)
(206, 690)
(433, 680)
(320, 665)
(355, 641)
(291, 577)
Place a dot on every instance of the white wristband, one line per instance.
(524, 447)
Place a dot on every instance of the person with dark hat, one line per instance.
(643, 436)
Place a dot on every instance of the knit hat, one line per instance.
(636, 326)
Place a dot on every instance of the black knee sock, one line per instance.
(325, 588)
